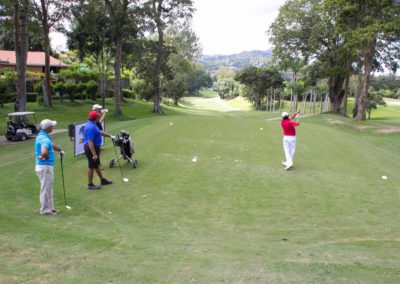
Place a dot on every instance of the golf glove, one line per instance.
(104, 110)
(62, 154)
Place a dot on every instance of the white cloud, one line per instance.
(227, 26)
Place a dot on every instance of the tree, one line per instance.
(90, 35)
(373, 100)
(197, 79)
(305, 32)
(375, 33)
(258, 81)
(49, 13)
(162, 13)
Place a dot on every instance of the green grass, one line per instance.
(233, 216)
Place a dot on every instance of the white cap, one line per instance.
(46, 123)
(285, 114)
(97, 106)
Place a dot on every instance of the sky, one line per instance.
(225, 26)
(231, 26)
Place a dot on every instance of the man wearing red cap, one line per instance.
(92, 141)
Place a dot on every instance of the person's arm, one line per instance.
(102, 117)
(92, 149)
(44, 153)
(105, 134)
(57, 148)
(292, 116)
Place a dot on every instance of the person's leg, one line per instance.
(286, 148)
(292, 149)
(103, 180)
(45, 205)
(90, 175)
(50, 179)
(99, 173)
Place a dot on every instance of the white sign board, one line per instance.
(79, 135)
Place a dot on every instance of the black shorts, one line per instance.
(92, 164)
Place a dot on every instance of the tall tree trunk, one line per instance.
(160, 49)
(21, 50)
(117, 70)
(369, 51)
(335, 91)
(346, 94)
(157, 93)
(46, 31)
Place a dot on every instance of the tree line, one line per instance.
(335, 39)
(152, 38)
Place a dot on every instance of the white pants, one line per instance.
(46, 178)
(289, 146)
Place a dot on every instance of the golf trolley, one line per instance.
(127, 149)
(19, 127)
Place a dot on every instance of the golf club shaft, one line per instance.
(62, 177)
(119, 165)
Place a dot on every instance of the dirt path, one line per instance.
(3, 140)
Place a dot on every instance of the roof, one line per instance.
(35, 58)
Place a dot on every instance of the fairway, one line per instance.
(231, 215)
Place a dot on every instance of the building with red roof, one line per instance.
(35, 61)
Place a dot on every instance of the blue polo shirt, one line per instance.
(43, 139)
(92, 132)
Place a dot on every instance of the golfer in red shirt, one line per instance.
(289, 138)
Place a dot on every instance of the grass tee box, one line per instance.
(211, 203)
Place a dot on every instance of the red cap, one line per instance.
(93, 115)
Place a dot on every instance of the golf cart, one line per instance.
(19, 127)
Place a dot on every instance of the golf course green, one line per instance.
(210, 201)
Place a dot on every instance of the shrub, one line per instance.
(40, 100)
(38, 88)
(70, 89)
(91, 89)
(31, 97)
(80, 89)
(126, 93)
(60, 88)
(110, 93)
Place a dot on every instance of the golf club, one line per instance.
(119, 165)
(62, 177)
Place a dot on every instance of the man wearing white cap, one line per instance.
(99, 109)
(289, 138)
(44, 152)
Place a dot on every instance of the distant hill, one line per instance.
(237, 61)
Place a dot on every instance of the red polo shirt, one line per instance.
(288, 127)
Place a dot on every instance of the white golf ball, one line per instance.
(261, 128)
(384, 177)
(125, 179)
(68, 207)
(171, 123)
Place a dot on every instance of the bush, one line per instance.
(80, 90)
(60, 88)
(110, 93)
(70, 89)
(126, 93)
(31, 97)
(91, 89)
(40, 100)
(38, 88)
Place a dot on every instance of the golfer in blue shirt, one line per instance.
(44, 152)
(92, 142)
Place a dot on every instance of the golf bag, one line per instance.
(124, 142)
